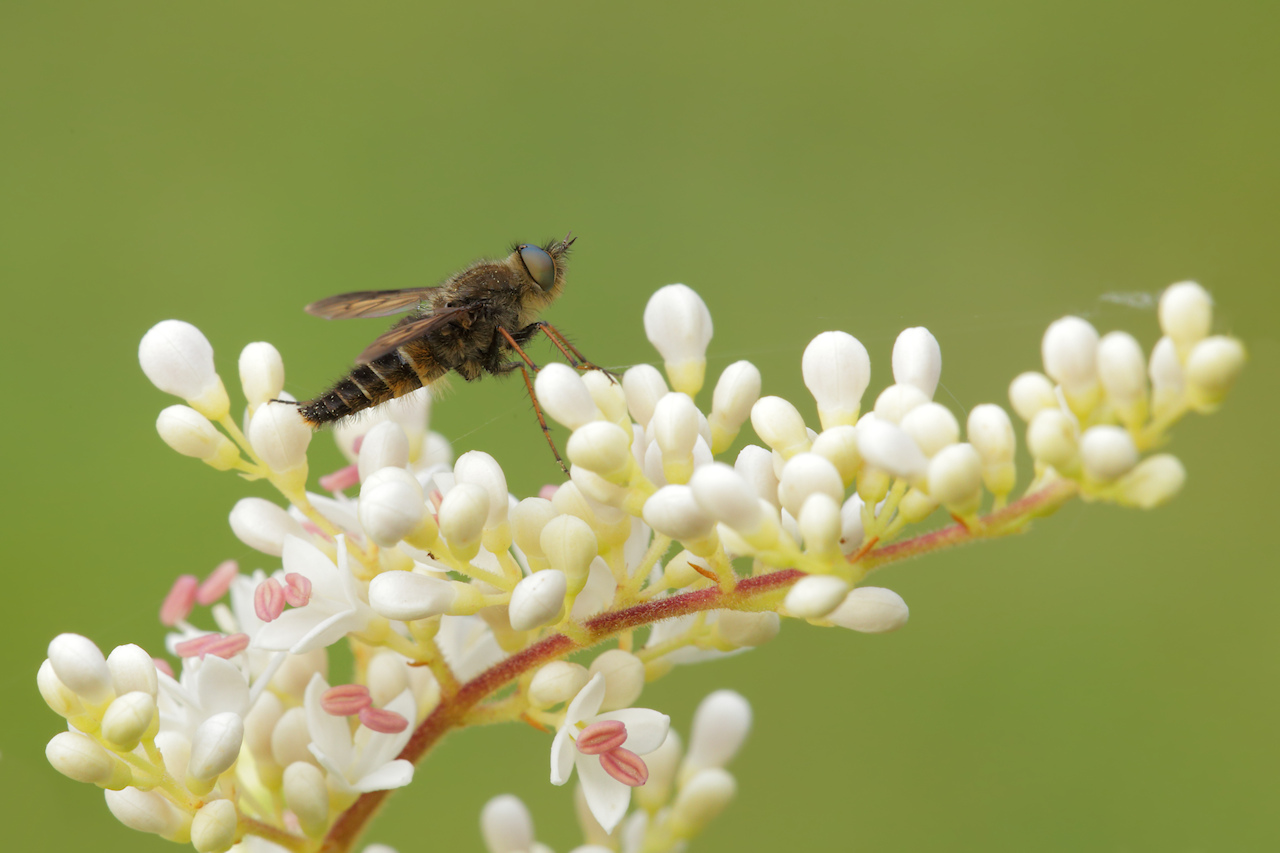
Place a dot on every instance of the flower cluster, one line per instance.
(462, 604)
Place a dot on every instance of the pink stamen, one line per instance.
(384, 721)
(346, 700)
(164, 666)
(548, 491)
(602, 736)
(625, 766)
(196, 647)
(217, 583)
(178, 603)
(312, 528)
(268, 600)
(435, 499)
(343, 478)
(297, 589)
(228, 646)
(356, 444)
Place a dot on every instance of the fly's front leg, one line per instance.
(570, 352)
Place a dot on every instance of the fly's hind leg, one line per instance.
(528, 383)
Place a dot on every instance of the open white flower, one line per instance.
(334, 610)
(605, 753)
(364, 760)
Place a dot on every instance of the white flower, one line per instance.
(365, 760)
(468, 645)
(335, 609)
(643, 731)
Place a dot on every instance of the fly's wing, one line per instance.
(370, 303)
(411, 328)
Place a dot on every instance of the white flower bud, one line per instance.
(178, 359)
(720, 726)
(391, 505)
(408, 596)
(258, 725)
(80, 666)
(991, 433)
(506, 825)
(538, 599)
(897, 401)
(215, 746)
(569, 545)
(597, 488)
(556, 682)
(60, 698)
(839, 446)
(384, 446)
(608, 395)
(527, 520)
(410, 411)
(263, 526)
(955, 478)
(261, 373)
(917, 360)
(806, 474)
(1069, 350)
(662, 763)
(701, 800)
(836, 370)
(780, 426)
(78, 757)
(736, 392)
(755, 464)
(564, 396)
(1212, 368)
(745, 629)
(192, 434)
(1155, 481)
(673, 511)
(603, 448)
(462, 516)
(1185, 313)
(623, 678)
(727, 496)
(147, 811)
(932, 427)
(213, 829)
(481, 469)
(1122, 368)
(1107, 452)
(851, 531)
(871, 610)
(815, 596)
(290, 738)
(132, 669)
(307, 796)
(819, 522)
(884, 445)
(678, 324)
(127, 720)
(644, 387)
(674, 428)
(1167, 380)
(280, 437)
(1051, 438)
(176, 750)
(1030, 393)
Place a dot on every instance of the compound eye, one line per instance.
(539, 265)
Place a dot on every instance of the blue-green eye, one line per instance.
(539, 266)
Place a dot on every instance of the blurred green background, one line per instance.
(1108, 682)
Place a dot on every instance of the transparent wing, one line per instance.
(411, 328)
(370, 303)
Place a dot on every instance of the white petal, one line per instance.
(395, 774)
(587, 703)
(646, 728)
(291, 626)
(606, 797)
(381, 747)
(329, 734)
(563, 749)
(220, 686)
(309, 561)
(328, 632)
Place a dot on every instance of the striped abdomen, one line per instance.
(385, 378)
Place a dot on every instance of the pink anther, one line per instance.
(181, 598)
(314, 529)
(346, 700)
(382, 720)
(625, 766)
(268, 600)
(297, 589)
(217, 583)
(228, 646)
(548, 491)
(196, 647)
(602, 736)
(343, 478)
(356, 444)
(164, 666)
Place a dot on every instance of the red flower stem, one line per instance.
(452, 711)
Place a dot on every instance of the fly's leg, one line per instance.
(528, 383)
(570, 352)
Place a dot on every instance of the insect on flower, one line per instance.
(470, 324)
